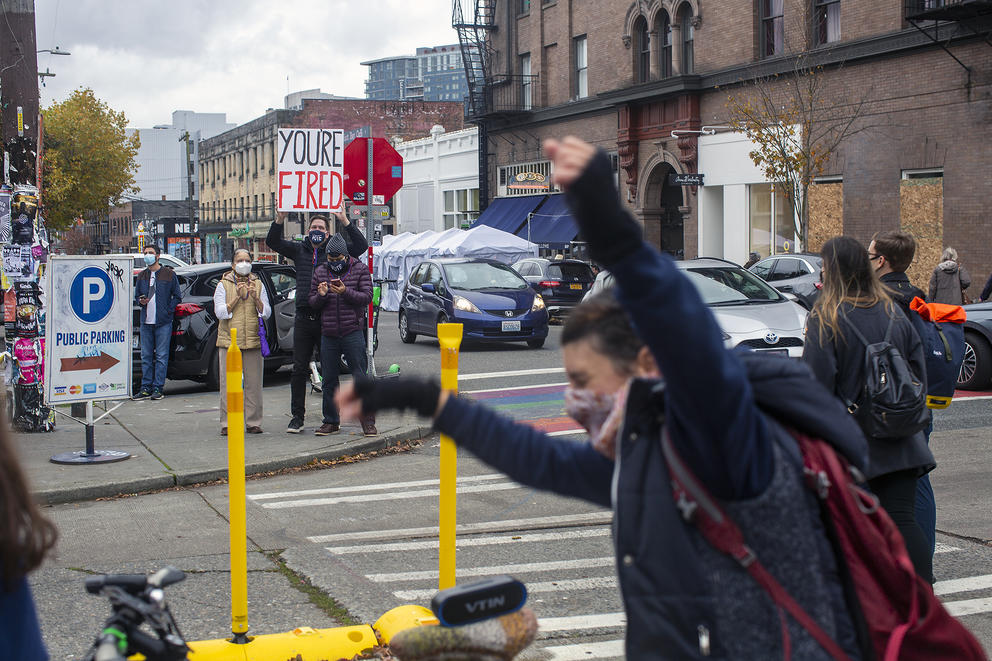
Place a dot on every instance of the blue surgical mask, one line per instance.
(149, 260)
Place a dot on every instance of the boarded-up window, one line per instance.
(921, 213)
(826, 213)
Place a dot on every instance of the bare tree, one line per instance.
(798, 119)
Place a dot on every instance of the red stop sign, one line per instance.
(387, 170)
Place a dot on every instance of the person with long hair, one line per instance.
(854, 299)
(26, 537)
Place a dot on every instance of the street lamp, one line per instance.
(47, 72)
(56, 51)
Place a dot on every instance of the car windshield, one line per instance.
(731, 286)
(476, 276)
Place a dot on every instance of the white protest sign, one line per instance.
(88, 329)
(311, 164)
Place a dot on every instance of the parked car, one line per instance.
(794, 273)
(488, 297)
(750, 312)
(976, 369)
(561, 282)
(165, 259)
(193, 353)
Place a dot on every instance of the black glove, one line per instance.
(415, 393)
(610, 231)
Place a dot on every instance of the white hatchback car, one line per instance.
(165, 259)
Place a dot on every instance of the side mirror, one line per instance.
(789, 295)
(428, 288)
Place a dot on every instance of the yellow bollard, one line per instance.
(450, 338)
(236, 491)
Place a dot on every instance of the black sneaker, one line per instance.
(144, 393)
(157, 394)
(295, 426)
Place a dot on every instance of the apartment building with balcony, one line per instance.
(626, 75)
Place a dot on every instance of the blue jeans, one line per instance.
(352, 346)
(155, 341)
(926, 506)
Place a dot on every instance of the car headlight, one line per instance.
(538, 303)
(465, 305)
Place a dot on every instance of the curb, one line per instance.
(187, 478)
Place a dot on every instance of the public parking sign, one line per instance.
(88, 329)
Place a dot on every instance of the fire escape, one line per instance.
(943, 20)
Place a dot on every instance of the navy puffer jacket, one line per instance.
(343, 313)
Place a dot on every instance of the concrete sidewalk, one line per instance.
(176, 441)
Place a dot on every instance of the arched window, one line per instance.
(663, 27)
(685, 23)
(642, 51)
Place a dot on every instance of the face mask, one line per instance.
(242, 268)
(337, 267)
(316, 237)
(149, 260)
(599, 414)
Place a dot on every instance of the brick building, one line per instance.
(624, 75)
(238, 167)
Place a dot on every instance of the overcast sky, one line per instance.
(150, 57)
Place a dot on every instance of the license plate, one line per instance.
(135, 341)
(511, 326)
(575, 286)
(775, 352)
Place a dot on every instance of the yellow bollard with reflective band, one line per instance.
(450, 338)
(236, 490)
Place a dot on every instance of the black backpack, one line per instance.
(893, 401)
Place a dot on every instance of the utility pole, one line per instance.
(19, 89)
(189, 193)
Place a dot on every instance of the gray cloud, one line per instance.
(233, 56)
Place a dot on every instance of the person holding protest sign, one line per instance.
(306, 255)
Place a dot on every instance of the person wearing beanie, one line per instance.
(306, 256)
(341, 290)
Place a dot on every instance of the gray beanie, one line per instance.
(336, 246)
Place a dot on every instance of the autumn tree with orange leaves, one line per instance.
(796, 122)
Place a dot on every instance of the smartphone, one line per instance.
(336, 281)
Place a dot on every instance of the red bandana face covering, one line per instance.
(600, 414)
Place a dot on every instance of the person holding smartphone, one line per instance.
(340, 291)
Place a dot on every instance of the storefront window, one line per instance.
(771, 223)
(460, 207)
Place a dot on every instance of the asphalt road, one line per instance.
(363, 533)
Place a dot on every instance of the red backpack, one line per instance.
(903, 618)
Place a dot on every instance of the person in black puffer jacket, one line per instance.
(307, 255)
(340, 291)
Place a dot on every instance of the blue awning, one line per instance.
(509, 213)
(552, 225)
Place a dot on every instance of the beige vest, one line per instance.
(244, 314)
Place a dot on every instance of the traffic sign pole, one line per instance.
(369, 226)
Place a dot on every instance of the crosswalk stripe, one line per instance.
(500, 375)
(968, 584)
(378, 497)
(601, 650)
(944, 548)
(386, 486)
(519, 568)
(522, 389)
(466, 542)
(578, 622)
(532, 588)
(506, 525)
(969, 606)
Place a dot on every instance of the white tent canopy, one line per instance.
(395, 259)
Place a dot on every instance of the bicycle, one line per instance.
(136, 599)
